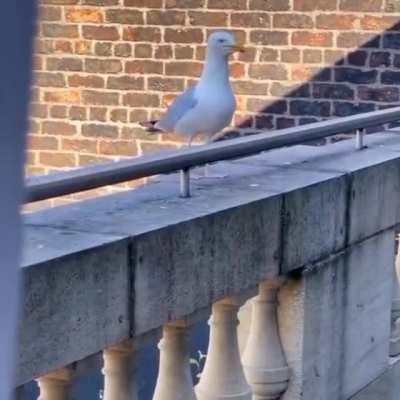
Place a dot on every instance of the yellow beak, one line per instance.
(238, 48)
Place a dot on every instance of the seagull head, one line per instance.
(224, 43)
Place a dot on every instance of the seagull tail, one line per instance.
(150, 126)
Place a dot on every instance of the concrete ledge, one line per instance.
(151, 257)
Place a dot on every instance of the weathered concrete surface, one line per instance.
(385, 387)
(73, 307)
(335, 322)
(175, 256)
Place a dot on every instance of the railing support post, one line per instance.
(263, 359)
(174, 378)
(223, 376)
(120, 372)
(360, 138)
(395, 334)
(185, 182)
(55, 385)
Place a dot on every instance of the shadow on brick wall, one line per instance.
(366, 79)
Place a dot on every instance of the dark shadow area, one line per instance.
(364, 80)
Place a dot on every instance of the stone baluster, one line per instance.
(395, 334)
(56, 385)
(119, 372)
(263, 360)
(174, 378)
(223, 375)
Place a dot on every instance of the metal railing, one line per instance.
(91, 177)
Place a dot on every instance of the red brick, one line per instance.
(372, 23)
(98, 114)
(100, 32)
(49, 13)
(103, 49)
(143, 50)
(183, 35)
(58, 30)
(359, 6)
(159, 17)
(143, 3)
(143, 67)
(100, 98)
(138, 115)
(183, 52)
(43, 46)
(38, 110)
(77, 113)
(268, 72)
(355, 39)
(163, 52)
(59, 160)
(314, 5)
(165, 84)
(82, 14)
(253, 19)
(141, 100)
(41, 142)
(336, 21)
(268, 54)
(125, 82)
(34, 126)
(318, 39)
(333, 56)
(58, 128)
(92, 81)
(269, 5)
(123, 50)
(142, 34)
(227, 4)
(292, 21)
(58, 111)
(49, 79)
(119, 115)
(64, 64)
(62, 46)
(262, 37)
(108, 66)
(289, 56)
(63, 96)
(311, 56)
(100, 130)
(183, 68)
(79, 145)
(184, 4)
(37, 62)
(119, 147)
(124, 16)
(250, 88)
(208, 18)
(83, 47)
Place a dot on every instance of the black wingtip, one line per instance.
(150, 126)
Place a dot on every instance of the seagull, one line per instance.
(207, 107)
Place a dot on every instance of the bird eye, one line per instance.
(221, 40)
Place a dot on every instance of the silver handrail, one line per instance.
(44, 187)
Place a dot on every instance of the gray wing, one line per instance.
(179, 107)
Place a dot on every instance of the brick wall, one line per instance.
(103, 65)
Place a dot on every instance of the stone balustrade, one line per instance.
(296, 244)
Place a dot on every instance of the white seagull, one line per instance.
(207, 107)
